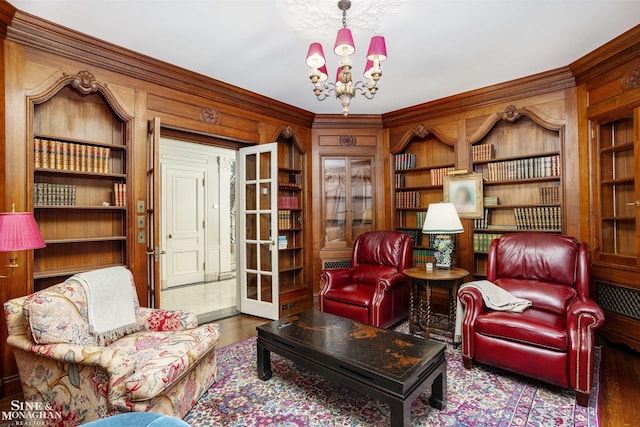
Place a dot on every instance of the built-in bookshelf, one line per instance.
(419, 172)
(520, 161)
(291, 219)
(78, 158)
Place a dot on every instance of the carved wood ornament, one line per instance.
(632, 81)
(209, 115)
(347, 140)
(84, 82)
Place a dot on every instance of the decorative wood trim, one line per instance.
(632, 80)
(511, 91)
(210, 115)
(7, 11)
(422, 131)
(610, 56)
(31, 31)
(288, 132)
(512, 114)
(348, 140)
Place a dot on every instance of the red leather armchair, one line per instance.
(374, 290)
(553, 340)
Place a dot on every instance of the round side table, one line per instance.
(422, 281)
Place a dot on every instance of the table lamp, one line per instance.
(18, 232)
(442, 220)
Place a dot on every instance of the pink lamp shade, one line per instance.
(377, 49)
(315, 56)
(19, 232)
(324, 75)
(344, 40)
(368, 68)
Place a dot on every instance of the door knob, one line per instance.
(636, 203)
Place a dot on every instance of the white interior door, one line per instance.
(257, 231)
(184, 222)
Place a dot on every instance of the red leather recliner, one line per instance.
(553, 340)
(374, 290)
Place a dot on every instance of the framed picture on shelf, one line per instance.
(465, 192)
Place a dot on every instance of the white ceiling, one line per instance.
(436, 48)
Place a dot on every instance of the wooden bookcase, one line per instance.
(291, 219)
(294, 278)
(78, 152)
(520, 158)
(419, 171)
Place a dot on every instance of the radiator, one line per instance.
(618, 300)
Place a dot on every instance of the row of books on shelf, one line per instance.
(119, 194)
(405, 161)
(407, 199)
(421, 257)
(482, 152)
(482, 223)
(438, 174)
(287, 220)
(294, 180)
(282, 242)
(420, 239)
(533, 167)
(490, 201)
(45, 194)
(550, 195)
(69, 156)
(482, 241)
(538, 218)
(288, 202)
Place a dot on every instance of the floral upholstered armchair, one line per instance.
(163, 362)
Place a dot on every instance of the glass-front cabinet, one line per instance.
(617, 191)
(348, 199)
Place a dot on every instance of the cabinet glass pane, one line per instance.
(334, 187)
(361, 196)
(617, 187)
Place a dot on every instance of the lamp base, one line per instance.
(443, 251)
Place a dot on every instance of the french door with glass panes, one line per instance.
(257, 231)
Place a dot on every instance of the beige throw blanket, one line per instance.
(494, 297)
(110, 302)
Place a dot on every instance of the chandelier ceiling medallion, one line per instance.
(344, 87)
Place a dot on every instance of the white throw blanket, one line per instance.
(110, 302)
(494, 297)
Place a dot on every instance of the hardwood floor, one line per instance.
(619, 373)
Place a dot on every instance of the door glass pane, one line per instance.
(251, 197)
(265, 165)
(252, 286)
(265, 196)
(265, 256)
(252, 227)
(617, 187)
(265, 226)
(250, 174)
(361, 197)
(252, 256)
(334, 189)
(266, 288)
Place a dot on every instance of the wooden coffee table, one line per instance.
(392, 367)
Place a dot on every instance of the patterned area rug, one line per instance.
(295, 397)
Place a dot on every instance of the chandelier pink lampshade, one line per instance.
(344, 40)
(324, 75)
(19, 232)
(377, 49)
(368, 68)
(315, 56)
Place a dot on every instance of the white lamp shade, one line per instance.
(442, 218)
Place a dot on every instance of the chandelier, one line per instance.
(344, 87)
